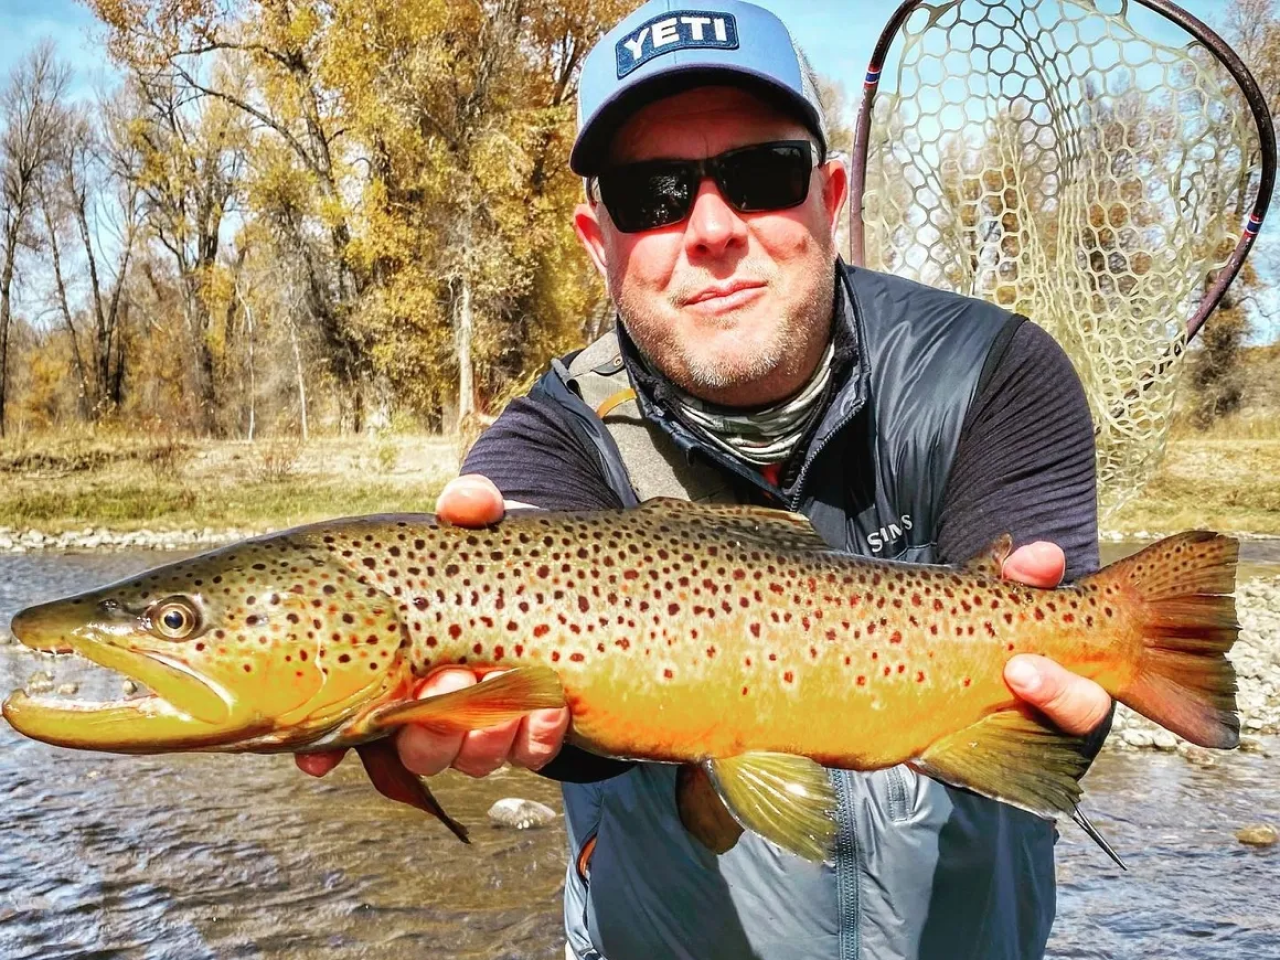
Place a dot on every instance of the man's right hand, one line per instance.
(532, 742)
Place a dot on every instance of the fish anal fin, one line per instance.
(1015, 757)
(788, 800)
(496, 699)
(989, 561)
(703, 812)
(762, 526)
(396, 782)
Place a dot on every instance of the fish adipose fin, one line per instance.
(395, 781)
(1187, 620)
(506, 696)
(702, 812)
(786, 799)
(989, 562)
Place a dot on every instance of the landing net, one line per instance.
(1099, 167)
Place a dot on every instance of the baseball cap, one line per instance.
(666, 46)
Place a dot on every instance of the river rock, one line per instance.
(520, 814)
(68, 689)
(129, 688)
(1259, 835)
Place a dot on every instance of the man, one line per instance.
(748, 364)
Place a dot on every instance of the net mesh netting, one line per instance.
(1073, 164)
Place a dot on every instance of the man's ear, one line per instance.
(586, 224)
(835, 190)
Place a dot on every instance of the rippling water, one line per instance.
(189, 857)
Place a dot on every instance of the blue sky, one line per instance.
(838, 35)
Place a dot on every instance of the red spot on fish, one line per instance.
(888, 670)
(862, 680)
(813, 652)
(896, 637)
(848, 661)
(711, 652)
(555, 656)
(1008, 618)
(744, 691)
(583, 604)
(667, 673)
(674, 608)
(919, 676)
(1068, 618)
(1039, 614)
(789, 677)
(902, 668)
(623, 643)
(455, 631)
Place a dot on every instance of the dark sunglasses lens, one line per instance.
(645, 198)
(771, 177)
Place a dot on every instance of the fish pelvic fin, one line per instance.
(496, 699)
(702, 812)
(788, 800)
(1013, 756)
(1187, 620)
(395, 781)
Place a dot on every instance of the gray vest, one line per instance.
(922, 870)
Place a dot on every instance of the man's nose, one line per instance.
(713, 225)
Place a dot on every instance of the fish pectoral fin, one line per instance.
(788, 800)
(496, 699)
(1015, 757)
(703, 812)
(396, 782)
(989, 561)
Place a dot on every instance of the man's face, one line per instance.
(733, 307)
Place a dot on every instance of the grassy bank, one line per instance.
(1228, 480)
(55, 484)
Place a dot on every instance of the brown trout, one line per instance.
(727, 637)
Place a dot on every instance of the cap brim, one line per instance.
(592, 146)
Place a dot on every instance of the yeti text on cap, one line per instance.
(679, 30)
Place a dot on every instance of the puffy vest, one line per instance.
(922, 870)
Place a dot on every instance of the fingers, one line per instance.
(470, 501)
(1039, 564)
(318, 764)
(428, 752)
(539, 738)
(529, 742)
(1074, 703)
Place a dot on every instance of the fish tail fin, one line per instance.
(1187, 620)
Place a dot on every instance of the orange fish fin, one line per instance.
(989, 561)
(1187, 619)
(1015, 757)
(762, 526)
(703, 812)
(496, 699)
(395, 781)
(788, 800)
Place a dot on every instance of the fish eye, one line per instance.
(174, 619)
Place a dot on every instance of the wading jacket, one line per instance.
(921, 870)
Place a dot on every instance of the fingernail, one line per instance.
(1022, 675)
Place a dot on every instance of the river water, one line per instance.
(189, 857)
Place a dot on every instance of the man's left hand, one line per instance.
(1075, 704)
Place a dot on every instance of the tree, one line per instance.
(30, 107)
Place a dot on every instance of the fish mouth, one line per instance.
(181, 709)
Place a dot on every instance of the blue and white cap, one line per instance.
(665, 47)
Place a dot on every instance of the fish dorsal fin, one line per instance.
(788, 800)
(989, 561)
(760, 526)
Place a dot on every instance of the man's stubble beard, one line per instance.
(704, 371)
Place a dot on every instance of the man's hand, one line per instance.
(469, 501)
(1075, 704)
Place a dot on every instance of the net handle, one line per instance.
(1201, 31)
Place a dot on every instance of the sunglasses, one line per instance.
(657, 193)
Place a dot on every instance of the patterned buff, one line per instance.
(766, 436)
